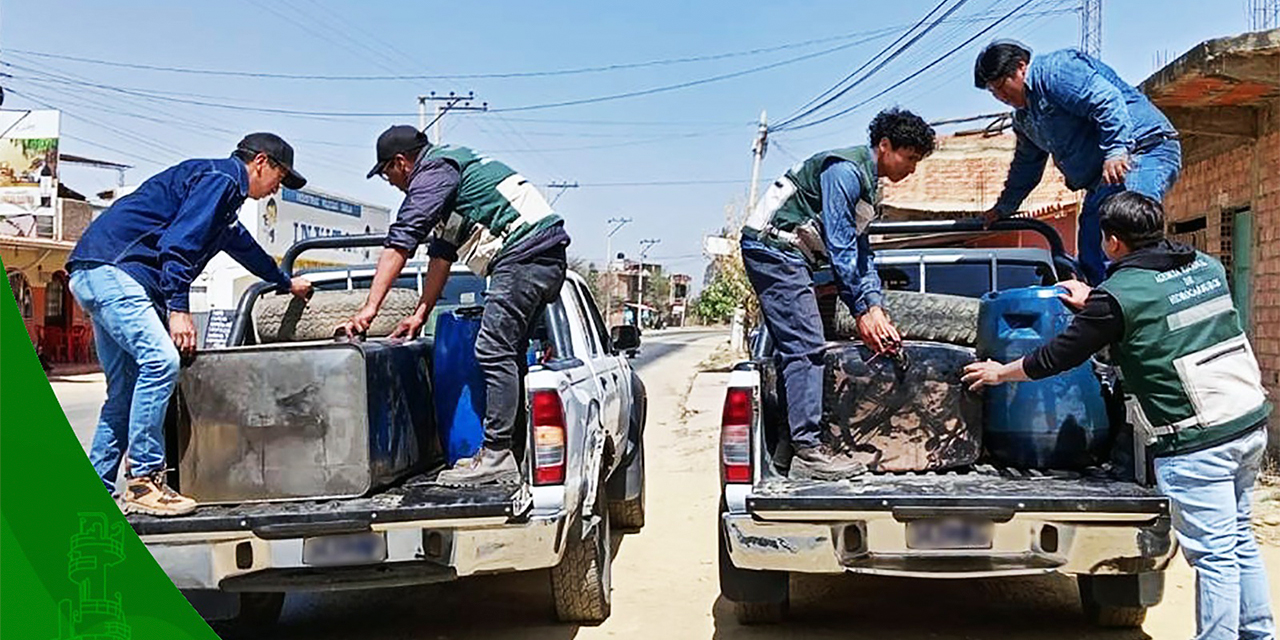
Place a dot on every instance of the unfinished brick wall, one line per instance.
(1234, 176)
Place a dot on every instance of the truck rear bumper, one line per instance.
(416, 552)
(875, 542)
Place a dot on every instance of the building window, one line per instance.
(53, 295)
(22, 294)
(1193, 232)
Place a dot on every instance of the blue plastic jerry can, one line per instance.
(1059, 422)
(458, 387)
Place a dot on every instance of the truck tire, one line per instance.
(581, 582)
(921, 316)
(284, 318)
(758, 597)
(258, 611)
(628, 515)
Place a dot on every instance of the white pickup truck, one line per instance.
(582, 461)
(1101, 524)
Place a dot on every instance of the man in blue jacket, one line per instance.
(133, 268)
(814, 216)
(1103, 134)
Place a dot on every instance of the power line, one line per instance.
(910, 77)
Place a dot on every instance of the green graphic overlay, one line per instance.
(70, 566)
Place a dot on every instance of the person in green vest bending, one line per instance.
(1196, 399)
(482, 212)
(814, 216)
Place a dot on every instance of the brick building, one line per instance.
(1224, 98)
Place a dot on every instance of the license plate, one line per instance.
(346, 549)
(949, 533)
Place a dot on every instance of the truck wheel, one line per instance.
(284, 318)
(1115, 617)
(258, 611)
(628, 515)
(581, 583)
(1101, 608)
(758, 597)
(921, 316)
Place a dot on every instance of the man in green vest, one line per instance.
(482, 212)
(1196, 399)
(814, 216)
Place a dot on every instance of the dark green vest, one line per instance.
(804, 202)
(495, 208)
(1184, 356)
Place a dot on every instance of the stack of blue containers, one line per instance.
(1055, 423)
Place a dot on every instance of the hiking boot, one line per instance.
(487, 466)
(823, 463)
(150, 495)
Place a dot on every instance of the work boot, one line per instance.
(487, 466)
(150, 495)
(823, 463)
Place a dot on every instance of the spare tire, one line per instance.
(285, 318)
(934, 317)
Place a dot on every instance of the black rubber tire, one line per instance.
(934, 317)
(1115, 617)
(259, 610)
(628, 515)
(749, 613)
(284, 318)
(581, 583)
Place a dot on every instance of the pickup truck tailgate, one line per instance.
(985, 488)
(414, 501)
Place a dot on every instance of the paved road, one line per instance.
(665, 576)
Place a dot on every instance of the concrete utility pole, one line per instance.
(758, 149)
(608, 266)
(1091, 27)
(443, 105)
(645, 245)
(562, 186)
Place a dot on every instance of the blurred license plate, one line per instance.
(354, 548)
(949, 533)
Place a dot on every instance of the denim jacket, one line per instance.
(852, 261)
(1080, 112)
(166, 232)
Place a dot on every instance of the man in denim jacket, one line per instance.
(1103, 134)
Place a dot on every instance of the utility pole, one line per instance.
(1091, 27)
(608, 266)
(443, 105)
(758, 149)
(645, 245)
(1264, 14)
(562, 186)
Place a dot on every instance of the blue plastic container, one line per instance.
(1058, 422)
(458, 387)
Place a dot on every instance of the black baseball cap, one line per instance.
(278, 150)
(401, 138)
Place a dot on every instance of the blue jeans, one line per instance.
(1151, 173)
(790, 309)
(1210, 491)
(141, 364)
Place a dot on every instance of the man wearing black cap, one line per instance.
(482, 212)
(134, 267)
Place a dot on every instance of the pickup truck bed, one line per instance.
(415, 500)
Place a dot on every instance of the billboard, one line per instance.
(291, 216)
(28, 172)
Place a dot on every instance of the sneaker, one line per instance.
(150, 495)
(823, 463)
(487, 466)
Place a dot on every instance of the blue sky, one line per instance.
(701, 133)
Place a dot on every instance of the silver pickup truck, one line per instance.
(582, 462)
(1099, 524)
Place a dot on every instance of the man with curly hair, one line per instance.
(814, 216)
(1104, 135)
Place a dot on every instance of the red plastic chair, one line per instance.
(79, 343)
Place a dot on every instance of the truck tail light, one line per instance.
(735, 435)
(547, 416)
